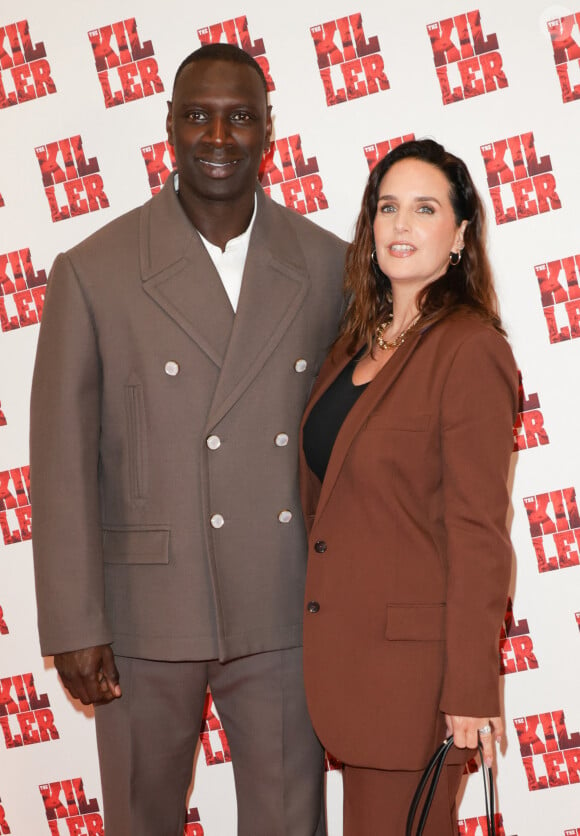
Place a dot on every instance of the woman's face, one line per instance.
(415, 227)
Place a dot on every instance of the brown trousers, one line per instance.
(147, 742)
(376, 802)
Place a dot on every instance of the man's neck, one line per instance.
(218, 220)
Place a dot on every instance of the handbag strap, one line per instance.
(433, 771)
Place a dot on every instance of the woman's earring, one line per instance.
(454, 258)
(374, 257)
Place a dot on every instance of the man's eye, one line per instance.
(196, 116)
(241, 117)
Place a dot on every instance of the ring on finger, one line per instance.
(485, 729)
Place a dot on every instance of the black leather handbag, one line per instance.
(433, 771)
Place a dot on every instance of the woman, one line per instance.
(406, 447)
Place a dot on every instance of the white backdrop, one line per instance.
(82, 111)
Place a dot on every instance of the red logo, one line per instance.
(515, 645)
(121, 59)
(353, 69)
(4, 826)
(566, 53)
(3, 420)
(560, 299)
(236, 32)
(25, 716)
(2, 202)
(478, 826)
(69, 177)
(22, 292)
(192, 823)
(15, 513)
(529, 426)
(212, 735)
(522, 186)
(577, 617)
(3, 626)
(374, 153)
(295, 179)
(555, 527)
(68, 811)
(574, 832)
(467, 62)
(24, 70)
(159, 162)
(550, 755)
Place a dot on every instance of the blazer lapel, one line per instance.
(274, 287)
(180, 277)
(359, 413)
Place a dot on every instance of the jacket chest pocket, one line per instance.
(136, 441)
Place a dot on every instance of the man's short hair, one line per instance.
(221, 52)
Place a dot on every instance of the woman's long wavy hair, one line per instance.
(467, 285)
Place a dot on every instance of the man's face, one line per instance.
(219, 125)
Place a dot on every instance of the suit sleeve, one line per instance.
(479, 405)
(64, 456)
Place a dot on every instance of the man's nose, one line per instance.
(217, 130)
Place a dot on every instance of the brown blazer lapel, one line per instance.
(274, 288)
(359, 413)
(180, 277)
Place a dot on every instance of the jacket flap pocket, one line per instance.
(415, 622)
(143, 545)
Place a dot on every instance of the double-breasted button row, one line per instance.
(217, 520)
(214, 442)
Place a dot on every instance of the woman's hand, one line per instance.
(465, 731)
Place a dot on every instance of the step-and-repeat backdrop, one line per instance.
(83, 91)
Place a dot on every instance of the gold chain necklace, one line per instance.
(385, 345)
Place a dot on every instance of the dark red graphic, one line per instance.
(477, 826)
(293, 178)
(193, 827)
(567, 54)
(24, 70)
(68, 811)
(122, 60)
(467, 61)
(159, 162)
(15, 514)
(237, 32)
(22, 292)
(72, 183)
(515, 645)
(374, 153)
(558, 281)
(3, 626)
(550, 754)
(555, 528)
(529, 426)
(520, 186)
(4, 826)
(352, 68)
(574, 832)
(25, 716)
(331, 763)
(212, 735)
(3, 420)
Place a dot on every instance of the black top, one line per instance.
(327, 417)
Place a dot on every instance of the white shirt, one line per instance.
(231, 262)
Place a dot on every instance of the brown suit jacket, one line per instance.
(140, 361)
(409, 557)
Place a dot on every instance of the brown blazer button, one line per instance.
(320, 547)
(313, 606)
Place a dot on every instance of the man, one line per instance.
(169, 547)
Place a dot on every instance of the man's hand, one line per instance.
(90, 675)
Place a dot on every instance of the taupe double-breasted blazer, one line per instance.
(164, 435)
(409, 557)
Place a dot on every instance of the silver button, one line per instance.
(300, 365)
(171, 368)
(285, 516)
(217, 521)
(213, 442)
(281, 440)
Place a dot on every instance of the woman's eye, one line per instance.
(426, 210)
(388, 207)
